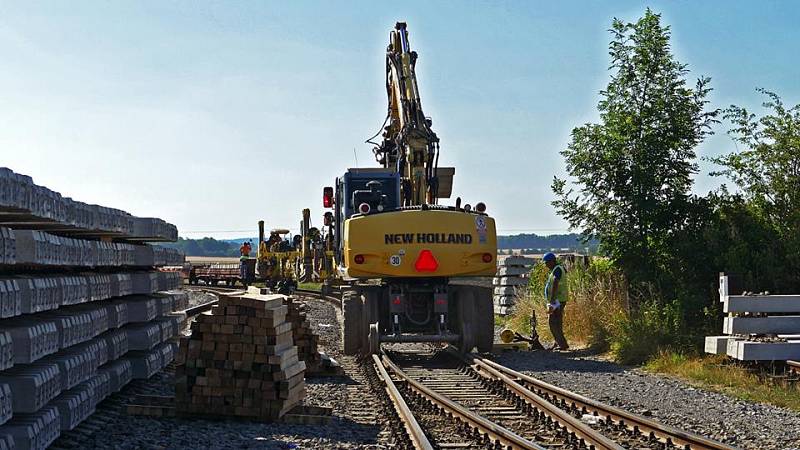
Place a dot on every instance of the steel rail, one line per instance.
(335, 301)
(496, 432)
(664, 433)
(413, 429)
(592, 438)
(195, 310)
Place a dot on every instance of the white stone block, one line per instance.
(762, 303)
(32, 339)
(512, 271)
(10, 298)
(763, 351)
(762, 325)
(505, 300)
(144, 363)
(143, 336)
(5, 403)
(519, 261)
(32, 385)
(116, 343)
(140, 308)
(120, 373)
(509, 290)
(75, 405)
(35, 431)
(510, 281)
(717, 345)
(6, 350)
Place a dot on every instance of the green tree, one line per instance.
(767, 173)
(768, 169)
(632, 171)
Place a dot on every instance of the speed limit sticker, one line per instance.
(395, 260)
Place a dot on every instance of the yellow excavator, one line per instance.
(403, 254)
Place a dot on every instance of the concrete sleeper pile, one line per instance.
(83, 308)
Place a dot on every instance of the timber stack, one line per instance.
(240, 361)
(304, 337)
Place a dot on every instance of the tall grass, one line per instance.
(597, 304)
(707, 371)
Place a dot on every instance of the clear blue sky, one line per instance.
(213, 115)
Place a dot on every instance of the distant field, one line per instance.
(211, 259)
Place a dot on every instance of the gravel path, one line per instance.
(198, 297)
(739, 423)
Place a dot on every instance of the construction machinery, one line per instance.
(403, 253)
(276, 259)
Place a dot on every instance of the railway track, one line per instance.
(447, 400)
(228, 290)
(470, 402)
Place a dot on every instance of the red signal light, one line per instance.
(364, 208)
(487, 257)
(359, 259)
(327, 197)
(426, 262)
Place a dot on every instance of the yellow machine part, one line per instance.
(390, 244)
(507, 335)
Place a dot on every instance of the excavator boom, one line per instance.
(409, 145)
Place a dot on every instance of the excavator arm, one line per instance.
(409, 146)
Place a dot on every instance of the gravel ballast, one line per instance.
(735, 422)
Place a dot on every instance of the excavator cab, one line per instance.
(367, 190)
(358, 192)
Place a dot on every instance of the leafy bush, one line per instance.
(652, 328)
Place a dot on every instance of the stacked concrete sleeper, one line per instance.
(71, 307)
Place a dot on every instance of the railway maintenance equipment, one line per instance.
(403, 252)
(276, 260)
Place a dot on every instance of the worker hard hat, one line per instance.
(549, 256)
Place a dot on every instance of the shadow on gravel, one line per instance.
(340, 433)
(545, 361)
(328, 379)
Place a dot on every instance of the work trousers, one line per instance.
(556, 321)
(243, 271)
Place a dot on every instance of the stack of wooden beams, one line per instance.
(241, 361)
(304, 337)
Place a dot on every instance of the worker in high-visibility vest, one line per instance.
(556, 296)
(244, 251)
